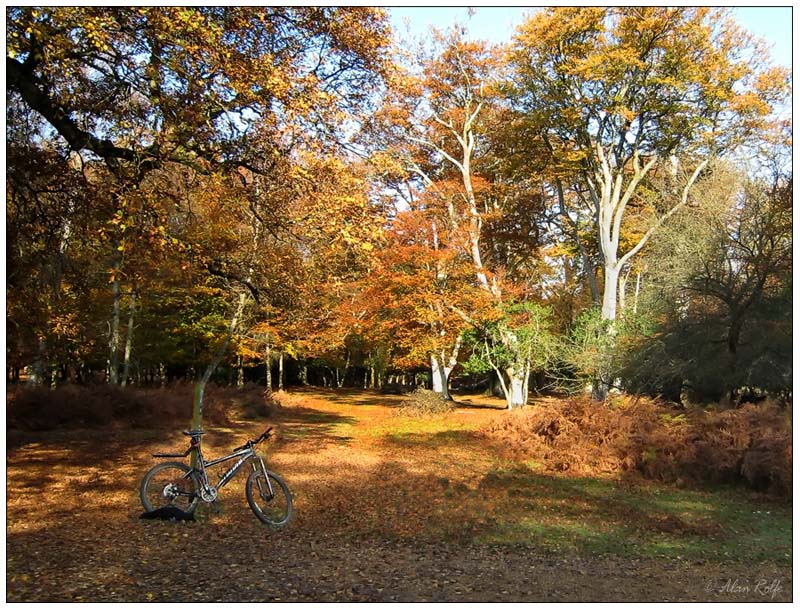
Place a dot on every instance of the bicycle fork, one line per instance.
(269, 493)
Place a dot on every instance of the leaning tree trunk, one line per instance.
(197, 407)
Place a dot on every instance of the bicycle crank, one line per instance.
(208, 494)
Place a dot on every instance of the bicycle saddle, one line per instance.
(193, 432)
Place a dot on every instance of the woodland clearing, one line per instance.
(388, 508)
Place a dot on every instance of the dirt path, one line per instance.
(377, 520)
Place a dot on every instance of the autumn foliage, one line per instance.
(646, 439)
(254, 194)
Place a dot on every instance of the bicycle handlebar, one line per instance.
(255, 441)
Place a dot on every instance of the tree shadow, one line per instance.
(306, 423)
(353, 396)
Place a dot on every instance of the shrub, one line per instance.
(750, 445)
(71, 406)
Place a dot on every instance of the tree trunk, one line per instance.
(37, 370)
(113, 341)
(440, 375)
(268, 363)
(239, 372)
(610, 291)
(280, 371)
(197, 407)
(515, 390)
(621, 289)
(126, 366)
(636, 292)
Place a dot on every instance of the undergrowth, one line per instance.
(751, 445)
(101, 406)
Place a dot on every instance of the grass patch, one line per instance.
(397, 427)
(442, 439)
(603, 517)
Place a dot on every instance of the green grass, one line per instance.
(600, 517)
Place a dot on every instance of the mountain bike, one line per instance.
(174, 484)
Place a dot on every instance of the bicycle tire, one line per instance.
(275, 511)
(153, 489)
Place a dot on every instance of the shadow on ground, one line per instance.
(396, 519)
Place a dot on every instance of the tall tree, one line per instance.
(197, 86)
(442, 115)
(205, 91)
(623, 94)
(626, 94)
(720, 290)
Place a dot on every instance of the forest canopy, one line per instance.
(284, 195)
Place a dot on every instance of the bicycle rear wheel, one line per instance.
(170, 484)
(269, 498)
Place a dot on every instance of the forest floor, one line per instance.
(388, 508)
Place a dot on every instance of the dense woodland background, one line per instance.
(286, 196)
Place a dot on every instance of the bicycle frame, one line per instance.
(244, 455)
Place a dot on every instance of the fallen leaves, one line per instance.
(381, 517)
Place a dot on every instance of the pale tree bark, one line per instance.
(37, 370)
(239, 372)
(622, 290)
(126, 364)
(442, 366)
(464, 134)
(638, 290)
(113, 339)
(268, 365)
(610, 196)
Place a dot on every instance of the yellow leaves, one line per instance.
(750, 103)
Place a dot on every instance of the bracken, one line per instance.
(750, 445)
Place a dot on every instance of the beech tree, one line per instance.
(622, 94)
(626, 94)
(442, 116)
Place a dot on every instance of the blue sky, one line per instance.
(497, 24)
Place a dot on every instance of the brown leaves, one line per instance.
(388, 509)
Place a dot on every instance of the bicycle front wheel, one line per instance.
(170, 484)
(269, 498)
